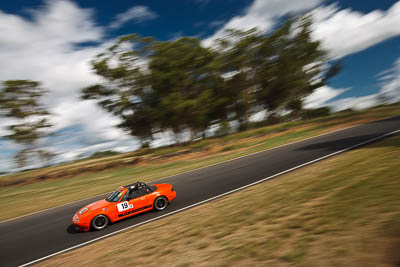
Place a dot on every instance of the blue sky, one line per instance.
(53, 41)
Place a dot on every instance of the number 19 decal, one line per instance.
(124, 206)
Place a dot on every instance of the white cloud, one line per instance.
(390, 89)
(263, 15)
(391, 83)
(216, 23)
(4, 123)
(136, 14)
(357, 103)
(6, 164)
(343, 32)
(58, 23)
(47, 48)
(175, 35)
(346, 31)
(386, 77)
(68, 154)
(321, 96)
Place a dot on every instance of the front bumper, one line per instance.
(81, 223)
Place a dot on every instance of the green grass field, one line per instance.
(343, 211)
(44, 188)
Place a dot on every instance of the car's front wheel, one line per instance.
(99, 222)
(160, 203)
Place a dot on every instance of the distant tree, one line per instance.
(44, 155)
(20, 101)
(291, 68)
(317, 112)
(180, 86)
(223, 129)
(382, 99)
(156, 86)
(273, 118)
(238, 52)
(187, 86)
(274, 71)
(125, 92)
(102, 154)
(296, 108)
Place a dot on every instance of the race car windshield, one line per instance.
(115, 196)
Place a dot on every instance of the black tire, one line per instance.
(99, 222)
(160, 203)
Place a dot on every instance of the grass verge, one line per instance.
(37, 190)
(343, 211)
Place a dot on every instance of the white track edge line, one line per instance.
(222, 162)
(212, 198)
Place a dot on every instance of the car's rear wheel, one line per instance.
(160, 203)
(99, 222)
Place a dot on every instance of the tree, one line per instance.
(238, 52)
(274, 71)
(20, 101)
(316, 113)
(178, 86)
(293, 66)
(125, 92)
(186, 83)
(296, 107)
(223, 129)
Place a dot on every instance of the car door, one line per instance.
(142, 202)
(123, 208)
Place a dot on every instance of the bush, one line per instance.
(224, 129)
(101, 154)
(315, 113)
(273, 119)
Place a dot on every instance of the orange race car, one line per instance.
(124, 202)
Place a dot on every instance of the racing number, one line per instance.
(124, 206)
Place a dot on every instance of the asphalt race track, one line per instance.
(32, 237)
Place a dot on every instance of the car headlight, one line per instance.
(83, 210)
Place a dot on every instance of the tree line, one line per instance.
(182, 87)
